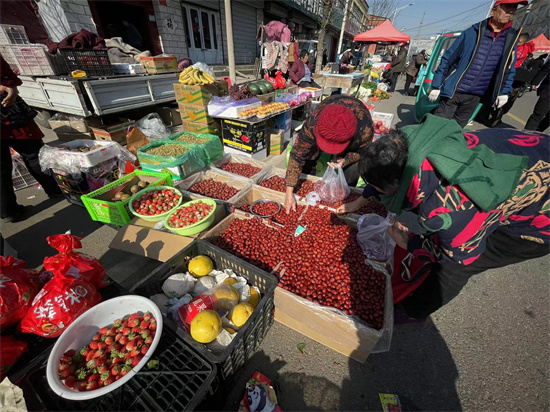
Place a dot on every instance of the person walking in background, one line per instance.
(540, 119)
(397, 66)
(479, 63)
(412, 71)
(345, 61)
(25, 137)
(300, 72)
(132, 35)
(525, 49)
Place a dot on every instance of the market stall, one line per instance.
(346, 82)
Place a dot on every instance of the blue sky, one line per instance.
(448, 15)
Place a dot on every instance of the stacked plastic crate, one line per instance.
(20, 175)
(29, 59)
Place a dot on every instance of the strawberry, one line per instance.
(93, 344)
(79, 386)
(81, 374)
(134, 322)
(84, 351)
(131, 336)
(67, 356)
(149, 340)
(110, 340)
(112, 332)
(135, 360)
(136, 330)
(123, 350)
(117, 377)
(144, 349)
(97, 337)
(91, 355)
(109, 380)
(117, 323)
(130, 345)
(118, 347)
(64, 366)
(144, 324)
(145, 334)
(118, 360)
(116, 370)
(93, 377)
(101, 361)
(125, 370)
(126, 330)
(118, 336)
(133, 316)
(103, 330)
(65, 374)
(128, 356)
(99, 352)
(101, 345)
(153, 325)
(91, 364)
(103, 376)
(92, 386)
(70, 382)
(124, 340)
(103, 368)
(135, 351)
(147, 316)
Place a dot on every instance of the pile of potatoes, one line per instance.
(122, 195)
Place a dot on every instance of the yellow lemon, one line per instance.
(230, 330)
(206, 326)
(230, 281)
(200, 266)
(225, 297)
(241, 313)
(254, 297)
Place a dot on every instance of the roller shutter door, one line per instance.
(244, 33)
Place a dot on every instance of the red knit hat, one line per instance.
(519, 2)
(335, 128)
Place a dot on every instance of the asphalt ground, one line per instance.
(486, 350)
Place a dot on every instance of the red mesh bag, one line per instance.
(69, 265)
(57, 305)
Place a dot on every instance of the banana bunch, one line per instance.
(193, 75)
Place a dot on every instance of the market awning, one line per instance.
(385, 32)
(542, 44)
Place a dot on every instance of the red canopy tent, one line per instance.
(542, 44)
(385, 32)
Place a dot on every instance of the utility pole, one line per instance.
(420, 27)
(343, 28)
(490, 8)
(230, 49)
(327, 9)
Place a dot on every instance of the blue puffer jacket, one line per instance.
(457, 60)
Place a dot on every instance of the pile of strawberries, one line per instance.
(110, 355)
(189, 215)
(156, 202)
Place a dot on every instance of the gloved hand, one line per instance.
(500, 101)
(434, 94)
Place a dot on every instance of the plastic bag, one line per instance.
(212, 146)
(204, 67)
(218, 105)
(69, 265)
(12, 349)
(153, 127)
(373, 237)
(18, 287)
(189, 161)
(57, 305)
(332, 187)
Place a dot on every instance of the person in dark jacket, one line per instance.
(420, 59)
(25, 139)
(540, 119)
(490, 214)
(480, 63)
(300, 72)
(397, 66)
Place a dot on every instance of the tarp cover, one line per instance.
(542, 44)
(385, 32)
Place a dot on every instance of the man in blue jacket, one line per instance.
(479, 66)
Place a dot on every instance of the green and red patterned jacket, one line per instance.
(462, 228)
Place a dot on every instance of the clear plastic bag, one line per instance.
(204, 67)
(153, 127)
(373, 237)
(332, 187)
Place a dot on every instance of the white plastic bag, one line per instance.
(373, 237)
(332, 187)
(153, 127)
(204, 67)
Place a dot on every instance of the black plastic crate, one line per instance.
(181, 382)
(93, 62)
(250, 336)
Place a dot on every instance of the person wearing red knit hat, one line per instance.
(341, 126)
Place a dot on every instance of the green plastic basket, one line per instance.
(197, 227)
(212, 146)
(161, 216)
(118, 213)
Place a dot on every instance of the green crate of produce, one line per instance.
(209, 143)
(102, 208)
(187, 158)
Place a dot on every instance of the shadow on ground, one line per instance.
(405, 115)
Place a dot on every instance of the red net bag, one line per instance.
(69, 265)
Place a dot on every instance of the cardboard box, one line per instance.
(247, 137)
(276, 142)
(170, 115)
(196, 113)
(238, 182)
(115, 132)
(212, 128)
(189, 93)
(247, 197)
(69, 137)
(65, 124)
(159, 65)
(260, 155)
(283, 120)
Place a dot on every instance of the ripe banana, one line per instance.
(192, 75)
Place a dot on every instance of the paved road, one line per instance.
(486, 350)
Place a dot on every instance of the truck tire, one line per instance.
(43, 117)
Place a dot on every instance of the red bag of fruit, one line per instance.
(57, 305)
(12, 349)
(18, 286)
(69, 265)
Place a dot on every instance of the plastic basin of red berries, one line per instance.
(192, 217)
(126, 330)
(155, 203)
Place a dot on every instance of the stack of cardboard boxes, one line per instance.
(193, 106)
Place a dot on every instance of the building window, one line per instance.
(214, 31)
(206, 30)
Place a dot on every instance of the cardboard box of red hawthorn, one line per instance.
(348, 335)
